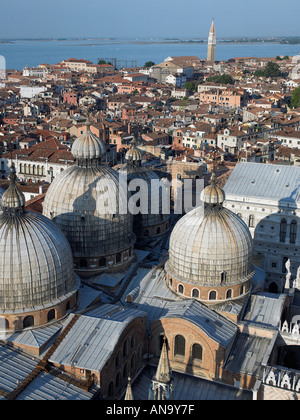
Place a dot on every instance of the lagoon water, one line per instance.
(20, 53)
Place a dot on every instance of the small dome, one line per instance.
(88, 146)
(133, 154)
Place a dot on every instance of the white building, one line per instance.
(176, 79)
(39, 72)
(267, 198)
(31, 91)
(291, 140)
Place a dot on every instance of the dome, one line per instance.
(88, 146)
(210, 246)
(86, 202)
(203, 246)
(133, 154)
(36, 266)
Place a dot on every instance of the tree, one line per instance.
(224, 79)
(192, 86)
(149, 64)
(295, 99)
(271, 70)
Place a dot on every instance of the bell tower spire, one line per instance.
(212, 42)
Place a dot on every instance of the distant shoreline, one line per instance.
(250, 40)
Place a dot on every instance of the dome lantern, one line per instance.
(88, 149)
(13, 200)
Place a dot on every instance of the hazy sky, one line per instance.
(141, 18)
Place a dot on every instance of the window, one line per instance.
(102, 262)
(283, 226)
(179, 348)
(125, 349)
(195, 293)
(197, 352)
(180, 288)
(213, 295)
(51, 315)
(28, 321)
(229, 294)
(83, 263)
(111, 390)
(223, 276)
(251, 221)
(118, 258)
(293, 232)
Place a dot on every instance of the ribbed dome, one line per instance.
(84, 203)
(133, 154)
(206, 243)
(88, 146)
(36, 265)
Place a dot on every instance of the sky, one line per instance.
(141, 18)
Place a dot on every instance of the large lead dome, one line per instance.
(210, 251)
(36, 266)
(86, 201)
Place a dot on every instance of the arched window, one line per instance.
(102, 262)
(179, 348)
(293, 232)
(283, 227)
(133, 362)
(118, 359)
(223, 276)
(213, 295)
(195, 293)
(4, 324)
(110, 390)
(273, 288)
(132, 341)
(28, 321)
(125, 348)
(197, 352)
(229, 294)
(180, 288)
(51, 315)
(118, 380)
(125, 371)
(251, 221)
(83, 263)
